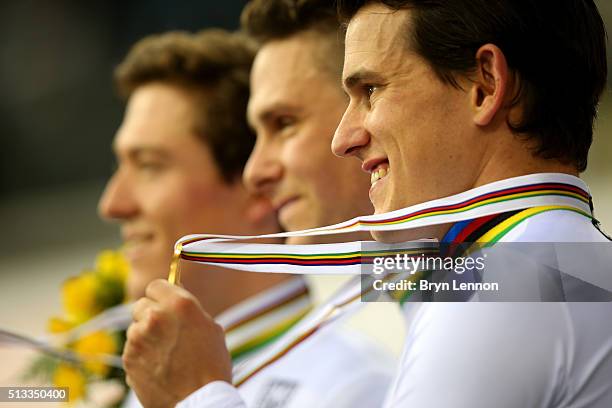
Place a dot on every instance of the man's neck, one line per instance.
(510, 156)
(513, 157)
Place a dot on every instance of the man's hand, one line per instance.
(173, 347)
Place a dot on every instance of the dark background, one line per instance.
(58, 111)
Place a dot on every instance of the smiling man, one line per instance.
(295, 107)
(455, 95)
(436, 110)
(180, 161)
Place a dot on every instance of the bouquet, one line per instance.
(84, 297)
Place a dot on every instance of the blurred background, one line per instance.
(58, 115)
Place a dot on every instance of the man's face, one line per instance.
(167, 184)
(412, 132)
(295, 107)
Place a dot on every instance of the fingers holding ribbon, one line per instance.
(173, 346)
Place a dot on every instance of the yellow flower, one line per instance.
(58, 325)
(79, 296)
(96, 343)
(112, 265)
(69, 376)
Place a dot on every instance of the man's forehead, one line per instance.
(283, 70)
(375, 30)
(376, 22)
(155, 117)
(286, 60)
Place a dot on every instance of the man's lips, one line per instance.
(282, 203)
(134, 243)
(136, 237)
(371, 165)
(378, 168)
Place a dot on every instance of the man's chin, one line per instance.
(139, 278)
(295, 224)
(135, 290)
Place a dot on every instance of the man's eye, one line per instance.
(149, 167)
(369, 90)
(283, 122)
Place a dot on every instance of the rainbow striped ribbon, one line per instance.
(550, 190)
(536, 190)
(261, 319)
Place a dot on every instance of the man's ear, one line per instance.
(490, 85)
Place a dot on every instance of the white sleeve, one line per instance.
(481, 355)
(217, 394)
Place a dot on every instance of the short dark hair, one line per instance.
(269, 20)
(214, 65)
(557, 48)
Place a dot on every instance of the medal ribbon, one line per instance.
(551, 190)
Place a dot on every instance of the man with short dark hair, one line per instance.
(461, 96)
(453, 103)
(552, 68)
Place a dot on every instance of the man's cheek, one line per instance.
(200, 191)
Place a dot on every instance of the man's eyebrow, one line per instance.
(360, 76)
(135, 152)
(273, 110)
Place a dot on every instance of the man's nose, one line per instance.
(350, 136)
(263, 169)
(117, 201)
